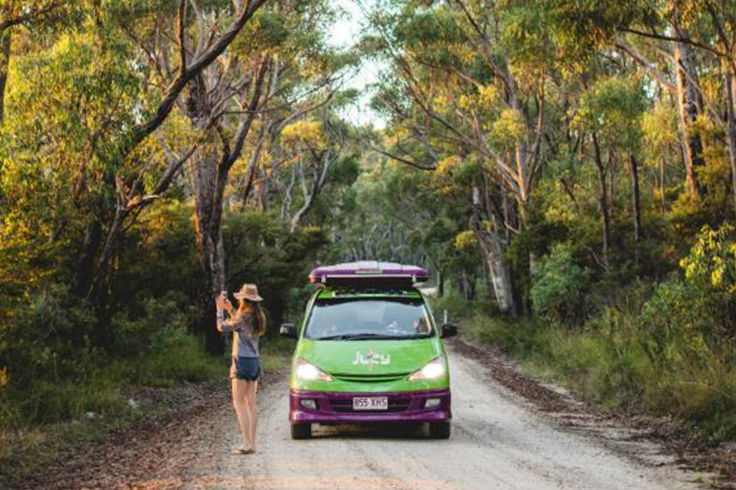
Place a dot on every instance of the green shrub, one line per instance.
(665, 358)
(667, 350)
(452, 302)
(181, 357)
(560, 286)
(50, 339)
(520, 337)
(162, 322)
(54, 375)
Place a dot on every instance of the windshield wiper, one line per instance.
(409, 336)
(370, 336)
(357, 336)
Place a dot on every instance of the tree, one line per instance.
(19, 13)
(611, 112)
(488, 101)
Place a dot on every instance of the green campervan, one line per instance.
(369, 351)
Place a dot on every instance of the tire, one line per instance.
(439, 430)
(301, 431)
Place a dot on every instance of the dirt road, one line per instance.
(499, 442)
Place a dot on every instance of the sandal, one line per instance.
(242, 451)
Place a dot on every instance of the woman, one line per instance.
(247, 324)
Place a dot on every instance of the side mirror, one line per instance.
(448, 330)
(288, 330)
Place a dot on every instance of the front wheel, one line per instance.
(439, 430)
(301, 431)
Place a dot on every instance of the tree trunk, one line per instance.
(663, 185)
(84, 273)
(492, 248)
(467, 285)
(603, 201)
(498, 269)
(4, 65)
(730, 87)
(210, 250)
(637, 205)
(687, 103)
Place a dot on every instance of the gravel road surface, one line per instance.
(499, 441)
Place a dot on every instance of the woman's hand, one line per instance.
(223, 304)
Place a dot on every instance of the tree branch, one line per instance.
(185, 76)
(402, 160)
(647, 65)
(29, 16)
(662, 37)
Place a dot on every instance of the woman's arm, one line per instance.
(225, 323)
(235, 323)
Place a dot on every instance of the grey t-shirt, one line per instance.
(243, 327)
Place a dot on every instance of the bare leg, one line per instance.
(240, 403)
(250, 396)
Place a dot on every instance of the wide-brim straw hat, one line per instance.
(249, 292)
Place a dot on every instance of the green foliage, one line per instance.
(50, 335)
(712, 260)
(578, 29)
(268, 31)
(264, 252)
(420, 28)
(671, 353)
(611, 363)
(613, 107)
(561, 286)
(452, 302)
(508, 129)
(659, 125)
(52, 372)
(162, 324)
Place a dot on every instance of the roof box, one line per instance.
(368, 273)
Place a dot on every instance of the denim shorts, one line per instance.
(247, 368)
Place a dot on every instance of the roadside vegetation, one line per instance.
(661, 348)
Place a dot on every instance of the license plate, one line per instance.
(372, 403)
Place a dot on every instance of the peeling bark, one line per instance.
(209, 246)
(492, 247)
(688, 110)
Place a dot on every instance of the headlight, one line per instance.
(309, 372)
(435, 369)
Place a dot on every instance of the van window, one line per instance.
(368, 319)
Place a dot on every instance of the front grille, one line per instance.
(345, 405)
(370, 378)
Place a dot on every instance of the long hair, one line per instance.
(246, 306)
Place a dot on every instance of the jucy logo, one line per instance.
(371, 359)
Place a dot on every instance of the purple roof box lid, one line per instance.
(369, 271)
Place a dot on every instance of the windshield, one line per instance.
(369, 319)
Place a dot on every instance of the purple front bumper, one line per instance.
(337, 408)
